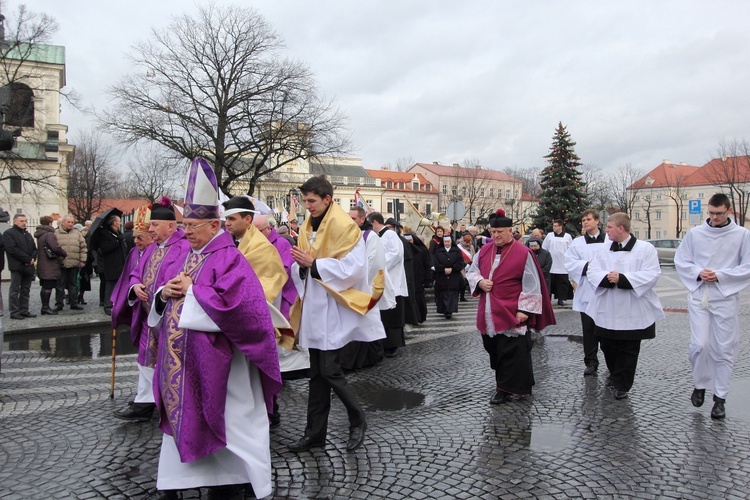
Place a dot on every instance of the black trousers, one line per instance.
(68, 280)
(20, 288)
(326, 374)
(590, 341)
(510, 357)
(621, 357)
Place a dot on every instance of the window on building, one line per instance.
(416, 205)
(481, 192)
(454, 190)
(369, 203)
(636, 198)
(445, 188)
(337, 201)
(515, 194)
(658, 234)
(683, 215)
(21, 110)
(507, 193)
(637, 216)
(16, 185)
(389, 207)
(700, 195)
(658, 215)
(428, 209)
(637, 235)
(389, 185)
(492, 192)
(463, 191)
(427, 187)
(53, 141)
(647, 197)
(270, 202)
(415, 186)
(658, 196)
(401, 185)
(473, 212)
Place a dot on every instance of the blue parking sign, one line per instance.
(694, 206)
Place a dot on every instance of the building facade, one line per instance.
(36, 169)
(415, 196)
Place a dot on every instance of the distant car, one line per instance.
(666, 249)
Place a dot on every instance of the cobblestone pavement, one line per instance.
(431, 430)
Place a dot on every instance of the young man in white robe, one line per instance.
(713, 262)
(557, 243)
(335, 306)
(577, 259)
(624, 305)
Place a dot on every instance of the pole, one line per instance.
(114, 353)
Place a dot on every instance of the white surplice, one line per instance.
(557, 246)
(576, 257)
(625, 309)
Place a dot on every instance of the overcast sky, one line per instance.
(447, 81)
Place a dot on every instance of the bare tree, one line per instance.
(677, 193)
(731, 172)
(91, 176)
(624, 187)
(529, 178)
(597, 186)
(472, 186)
(216, 85)
(647, 206)
(155, 173)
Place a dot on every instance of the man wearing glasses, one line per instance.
(713, 262)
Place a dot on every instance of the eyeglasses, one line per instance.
(193, 227)
(717, 214)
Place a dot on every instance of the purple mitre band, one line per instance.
(193, 211)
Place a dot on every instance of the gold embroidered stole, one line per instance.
(172, 381)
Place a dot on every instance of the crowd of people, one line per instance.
(226, 306)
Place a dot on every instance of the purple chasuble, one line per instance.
(192, 369)
(289, 291)
(507, 286)
(122, 312)
(151, 271)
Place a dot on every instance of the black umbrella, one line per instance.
(99, 222)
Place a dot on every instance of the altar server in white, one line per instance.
(713, 262)
(624, 305)
(577, 259)
(557, 243)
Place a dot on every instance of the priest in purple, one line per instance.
(217, 369)
(122, 314)
(144, 280)
(512, 299)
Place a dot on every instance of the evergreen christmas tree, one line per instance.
(563, 196)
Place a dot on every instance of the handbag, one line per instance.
(49, 252)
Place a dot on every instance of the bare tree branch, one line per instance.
(215, 85)
(92, 178)
(730, 171)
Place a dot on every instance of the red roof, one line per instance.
(452, 171)
(665, 175)
(396, 177)
(715, 172)
(125, 206)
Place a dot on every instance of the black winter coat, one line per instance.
(46, 268)
(113, 253)
(20, 248)
(444, 259)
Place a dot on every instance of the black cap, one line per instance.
(392, 222)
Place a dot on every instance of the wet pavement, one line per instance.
(431, 430)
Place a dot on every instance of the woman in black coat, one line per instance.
(48, 269)
(113, 252)
(448, 263)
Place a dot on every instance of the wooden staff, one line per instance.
(114, 353)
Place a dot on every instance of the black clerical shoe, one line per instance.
(137, 412)
(356, 436)
(609, 382)
(17, 316)
(307, 443)
(697, 397)
(590, 371)
(27, 314)
(560, 302)
(76, 307)
(718, 411)
(500, 397)
(226, 492)
(620, 394)
(164, 495)
(448, 315)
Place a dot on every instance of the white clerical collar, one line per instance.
(594, 235)
(625, 242)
